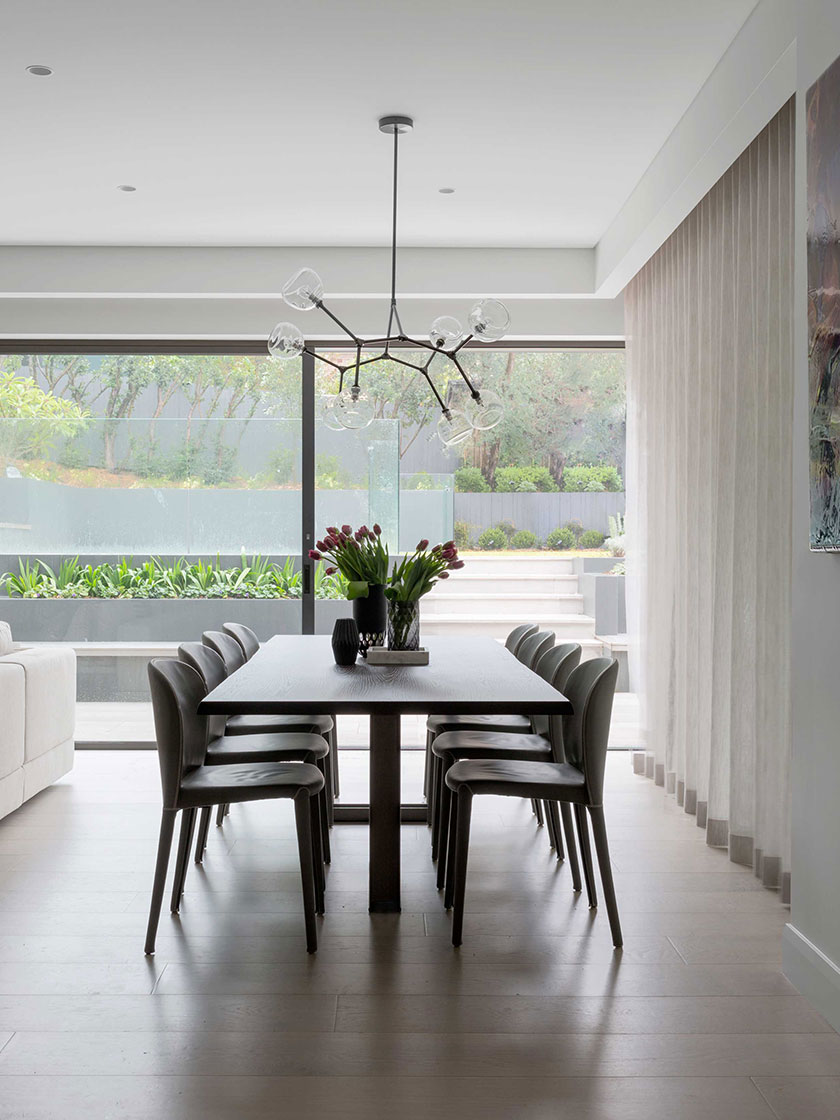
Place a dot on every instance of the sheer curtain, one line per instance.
(709, 343)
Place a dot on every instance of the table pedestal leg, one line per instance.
(384, 888)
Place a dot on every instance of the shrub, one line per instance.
(492, 539)
(524, 539)
(560, 538)
(462, 533)
(590, 539)
(507, 527)
(470, 480)
(523, 480)
(575, 526)
(592, 478)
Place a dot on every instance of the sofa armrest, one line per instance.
(50, 696)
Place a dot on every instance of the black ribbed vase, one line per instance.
(345, 641)
(371, 615)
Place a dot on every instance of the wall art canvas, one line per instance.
(823, 138)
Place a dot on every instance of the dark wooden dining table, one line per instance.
(297, 673)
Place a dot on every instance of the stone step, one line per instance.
(514, 564)
(512, 605)
(567, 627)
(466, 580)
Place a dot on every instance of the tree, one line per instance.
(30, 419)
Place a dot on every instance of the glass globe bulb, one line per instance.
(489, 320)
(285, 342)
(445, 332)
(327, 412)
(487, 411)
(453, 427)
(353, 408)
(304, 290)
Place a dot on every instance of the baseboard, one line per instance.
(812, 973)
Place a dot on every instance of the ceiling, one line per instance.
(254, 123)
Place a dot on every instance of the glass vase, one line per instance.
(404, 625)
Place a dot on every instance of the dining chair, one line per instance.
(577, 781)
(435, 724)
(528, 650)
(189, 784)
(245, 636)
(303, 745)
(250, 644)
(555, 667)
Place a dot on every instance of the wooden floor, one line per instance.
(535, 1017)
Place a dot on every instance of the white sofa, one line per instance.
(37, 718)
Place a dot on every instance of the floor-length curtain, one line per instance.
(709, 325)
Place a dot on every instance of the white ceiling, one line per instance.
(254, 122)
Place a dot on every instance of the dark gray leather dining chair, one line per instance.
(578, 781)
(555, 667)
(250, 644)
(189, 784)
(283, 746)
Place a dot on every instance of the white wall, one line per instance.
(812, 939)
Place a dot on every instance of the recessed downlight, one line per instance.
(446, 190)
(126, 187)
(39, 71)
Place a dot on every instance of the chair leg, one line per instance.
(203, 830)
(462, 846)
(444, 811)
(220, 815)
(451, 852)
(554, 820)
(435, 812)
(316, 812)
(329, 786)
(549, 824)
(167, 831)
(184, 844)
(586, 855)
(427, 769)
(323, 765)
(303, 823)
(333, 739)
(599, 831)
(537, 808)
(571, 847)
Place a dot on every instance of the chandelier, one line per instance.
(351, 406)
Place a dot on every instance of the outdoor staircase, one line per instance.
(492, 594)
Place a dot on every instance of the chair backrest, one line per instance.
(210, 667)
(532, 649)
(245, 636)
(227, 648)
(181, 733)
(518, 634)
(586, 732)
(554, 666)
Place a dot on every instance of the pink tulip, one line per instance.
(313, 555)
(347, 530)
(377, 529)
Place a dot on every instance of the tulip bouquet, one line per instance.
(360, 556)
(418, 573)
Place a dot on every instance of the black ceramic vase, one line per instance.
(345, 641)
(371, 615)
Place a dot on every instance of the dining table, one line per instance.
(465, 674)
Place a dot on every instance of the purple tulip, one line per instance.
(342, 536)
(321, 546)
(377, 529)
(331, 571)
(313, 555)
(449, 544)
(444, 575)
(332, 529)
(347, 530)
(423, 545)
(449, 554)
(455, 564)
(363, 529)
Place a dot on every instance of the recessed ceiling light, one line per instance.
(127, 187)
(446, 190)
(39, 71)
